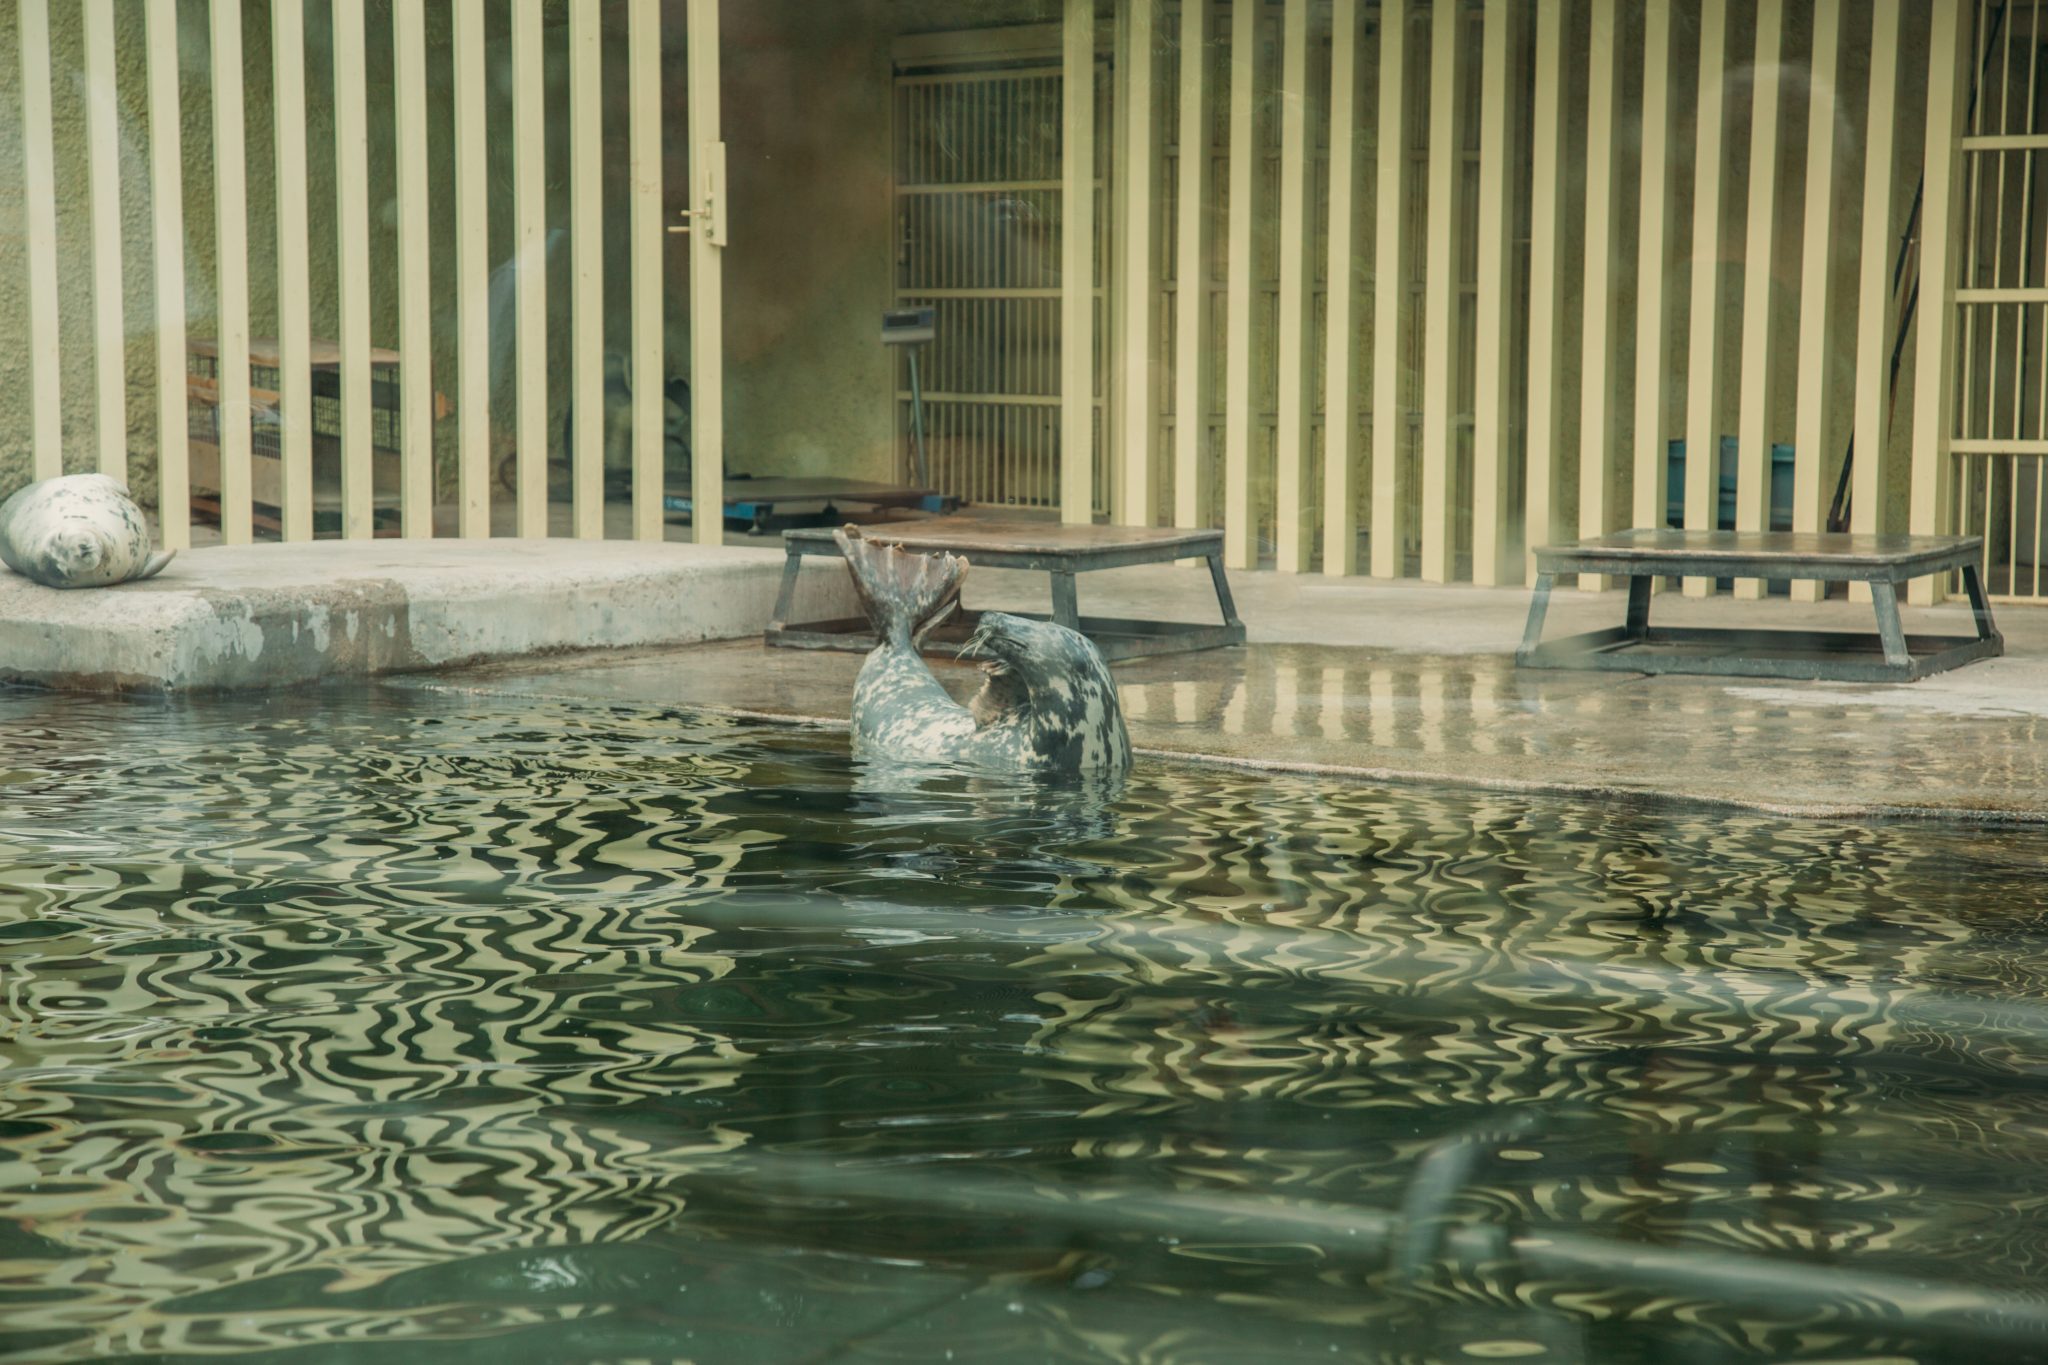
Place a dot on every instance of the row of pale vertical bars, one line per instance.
(1500, 342)
(472, 266)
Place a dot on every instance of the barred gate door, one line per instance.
(978, 218)
(2001, 439)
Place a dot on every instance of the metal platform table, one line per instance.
(1884, 562)
(1062, 551)
(754, 501)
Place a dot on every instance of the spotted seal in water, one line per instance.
(77, 531)
(1046, 705)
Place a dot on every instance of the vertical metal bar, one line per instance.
(103, 163)
(294, 271)
(1140, 268)
(1653, 260)
(167, 204)
(529, 271)
(1703, 378)
(1934, 370)
(1191, 303)
(231, 290)
(1439, 322)
(1340, 372)
(1546, 268)
(707, 279)
(1390, 254)
(1239, 530)
(1759, 373)
(1077, 265)
(39, 188)
(415, 304)
(1874, 283)
(1816, 280)
(352, 200)
(1294, 528)
(643, 78)
(1603, 279)
(472, 276)
(586, 264)
(1492, 465)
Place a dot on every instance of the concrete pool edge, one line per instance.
(247, 617)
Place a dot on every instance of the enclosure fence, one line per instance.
(257, 423)
(1408, 287)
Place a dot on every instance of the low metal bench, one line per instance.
(1062, 551)
(1884, 562)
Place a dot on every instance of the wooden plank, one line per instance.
(530, 274)
(415, 303)
(1340, 378)
(1294, 514)
(1940, 244)
(167, 220)
(1390, 259)
(1546, 270)
(1240, 534)
(1703, 372)
(294, 271)
(231, 288)
(1139, 176)
(1759, 362)
(586, 270)
(472, 275)
(1597, 415)
(1493, 355)
(1816, 295)
(650, 365)
(1077, 265)
(1440, 282)
(1653, 263)
(103, 163)
(1191, 307)
(352, 201)
(39, 188)
(707, 277)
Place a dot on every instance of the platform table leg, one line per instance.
(1885, 597)
(785, 598)
(1639, 606)
(1223, 599)
(1066, 609)
(1980, 605)
(1539, 604)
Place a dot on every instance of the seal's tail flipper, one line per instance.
(154, 565)
(906, 594)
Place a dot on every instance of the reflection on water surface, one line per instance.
(560, 1033)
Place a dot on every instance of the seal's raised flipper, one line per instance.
(905, 594)
(155, 565)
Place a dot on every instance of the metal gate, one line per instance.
(978, 197)
(2001, 439)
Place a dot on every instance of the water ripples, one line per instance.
(381, 1017)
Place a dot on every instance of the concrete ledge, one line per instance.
(253, 616)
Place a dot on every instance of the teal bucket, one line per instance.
(1724, 510)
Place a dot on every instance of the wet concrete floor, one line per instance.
(1412, 682)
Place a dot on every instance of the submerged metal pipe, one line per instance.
(1845, 1298)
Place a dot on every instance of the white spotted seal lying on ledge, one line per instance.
(77, 531)
(1047, 705)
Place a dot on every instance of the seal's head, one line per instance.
(1055, 681)
(72, 553)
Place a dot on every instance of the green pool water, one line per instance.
(385, 1024)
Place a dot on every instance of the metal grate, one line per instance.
(2001, 437)
(978, 167)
